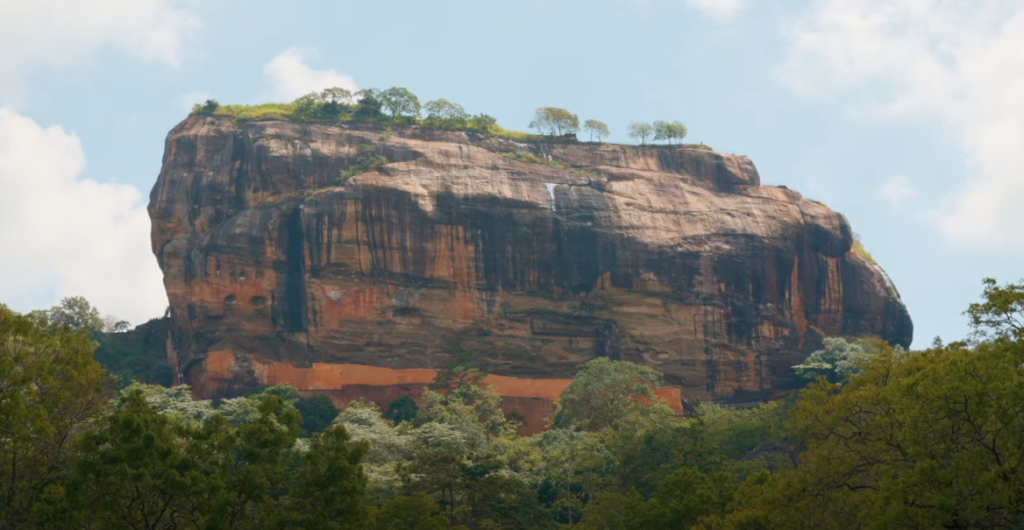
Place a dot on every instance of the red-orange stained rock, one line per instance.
(677, 258)
(534, 399)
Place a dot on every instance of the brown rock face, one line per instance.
(676, 258)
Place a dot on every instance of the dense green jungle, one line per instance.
(877, 438)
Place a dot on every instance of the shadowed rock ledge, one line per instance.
(676, 258)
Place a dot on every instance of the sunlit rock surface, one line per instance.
(675, 258)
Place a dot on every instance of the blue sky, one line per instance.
(907, 116)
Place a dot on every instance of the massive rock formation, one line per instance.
(676, 258)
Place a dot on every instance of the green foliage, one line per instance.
(1001, 313)
(736, 432)
(318, 413)
(530, 158)
(612, 394)
(882, 439)
(176, 402)
(640, 131)
(50, 388)
(141, 468)
(443, 114)
(516, 136)
(264, 111)
(683, 498)
(76, 313)
(327, 105)
(369, 106)
(400, 102)
(858, 247)
(554, 121)
(402, 409)
(596, 129)
(206, 109)
(414, 512)
(329, 486)
(394, 106)
(367, 161)
(929, 440)
(664, 130)
(138, 356)
(836, 361)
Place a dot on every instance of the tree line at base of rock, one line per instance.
(879, 438)
(399, 106)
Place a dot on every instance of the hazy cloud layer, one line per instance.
(68, 33)
(289, 77)
(64, 235)
(956, 61)
(898, 190)
(720, 9)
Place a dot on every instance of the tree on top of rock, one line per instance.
(444, 114)
(596, 128)
(664, 130)
(555, 121)
(400, 101)
(639, 130)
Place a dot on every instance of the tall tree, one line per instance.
(341, 96)
(1001, 313)
(76, 313)
(329, 486)
(640, 131)
(445, 114)
(368, 106)
(318, 412)
(611, 394)
(837, 360)
(669, 131)
(50, 387)
(554, 121)
(596, 128)
(400, 102)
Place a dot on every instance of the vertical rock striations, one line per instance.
(676, 258)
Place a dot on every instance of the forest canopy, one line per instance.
(878, 438)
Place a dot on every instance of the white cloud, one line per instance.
(188, 100)
(898, 190)
(960, 62)
(67, 33)
(289, 77)
(719, 9)
(62, 235)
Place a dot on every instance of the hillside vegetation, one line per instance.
(399, 107)
(879, 438)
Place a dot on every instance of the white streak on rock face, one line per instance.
(334, 295)
(551, 193)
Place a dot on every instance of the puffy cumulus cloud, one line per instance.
(61, 33)
(719, 9)
(898, 190)
(960, 62)
(289, 77)
(63, 235)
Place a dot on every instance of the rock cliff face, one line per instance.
(676, 258)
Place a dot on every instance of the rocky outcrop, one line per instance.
(676, 258)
